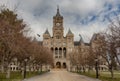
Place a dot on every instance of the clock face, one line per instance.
(57, 24)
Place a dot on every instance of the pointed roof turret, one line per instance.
(69, 33)
(46, 35)
(47, 32)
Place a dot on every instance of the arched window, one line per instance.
(56, 51)
(60, 52)
(64, 52)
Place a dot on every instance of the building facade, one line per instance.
(59, 45)
(62, 46)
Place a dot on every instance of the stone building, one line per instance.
(62, 46)
(59, 45)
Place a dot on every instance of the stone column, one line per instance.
(58, 53)
(54, 56)
(53, 53)
(62, 53)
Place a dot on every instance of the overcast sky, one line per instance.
(83, 17)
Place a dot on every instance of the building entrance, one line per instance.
(58, 64)
(64, 65)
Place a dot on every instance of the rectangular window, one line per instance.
(60, 56)
(56, 56)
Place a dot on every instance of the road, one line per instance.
(60, 76)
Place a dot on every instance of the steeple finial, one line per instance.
(57, 8)
(58, 13)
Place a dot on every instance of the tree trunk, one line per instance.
(2, 65)
(46, 67)
(8, 72)
(77, 68)
(22, 71)
(83, 69)
(89, 69)
(80, 69)
(29, 69)
(111, 71)
(2, 68)
(112, 74)
(41, 67)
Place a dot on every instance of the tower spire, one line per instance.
(57, 8)
(58, 13)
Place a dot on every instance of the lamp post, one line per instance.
(25, 61)
(39, 37)
(96, 67)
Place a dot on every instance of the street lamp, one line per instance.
(25, 61)
(96, 67)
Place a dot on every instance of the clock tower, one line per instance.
(58, 26)
(60, 45)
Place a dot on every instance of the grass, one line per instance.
(104, 76)
(16, 76)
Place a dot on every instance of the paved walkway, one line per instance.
(60, 76)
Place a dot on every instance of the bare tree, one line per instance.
(73, 57)
(14, 44)
(105, 49)
(11, 30)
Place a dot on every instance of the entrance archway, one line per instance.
(64, 65)
(58, 64)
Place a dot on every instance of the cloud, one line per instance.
(83, 17)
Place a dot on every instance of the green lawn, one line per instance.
(16, 76)
(104, 76)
